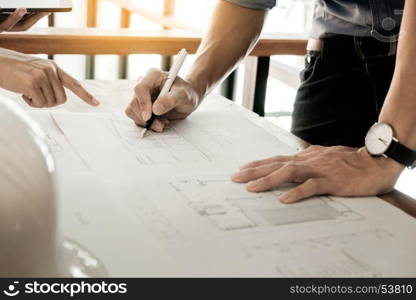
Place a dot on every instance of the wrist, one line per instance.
(197, 87)
(388, 164)
(399, 110)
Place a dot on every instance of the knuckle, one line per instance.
(38, 76)
(129, 112)
(48, 69)
(290, 165)
(132, 115)
(314, 147)
(36, 104)
(153, 73)
(267, 180)
(293, 170)
(33, 83)
(276, 164)
(313, 184)
(253, 164)
(337, 148)
(181, 94)
(52, 64)
(140, 100)
(76, 83)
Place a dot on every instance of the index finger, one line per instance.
(288, 174)
(73, 85)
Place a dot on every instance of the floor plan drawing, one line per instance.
(304, 257)
(169, 147)
(231, 207)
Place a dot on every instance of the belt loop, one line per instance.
(323, 49)
(393, 48)
(357, 47)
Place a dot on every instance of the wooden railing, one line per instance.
(93, 41)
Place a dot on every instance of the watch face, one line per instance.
(379, 138)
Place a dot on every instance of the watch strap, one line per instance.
(401, 154)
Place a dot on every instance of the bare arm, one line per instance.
(399, 109)
(233, 32)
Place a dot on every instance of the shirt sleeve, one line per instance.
(255, 4)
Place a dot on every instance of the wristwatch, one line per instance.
(380, 141)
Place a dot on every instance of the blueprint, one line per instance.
(164, 205)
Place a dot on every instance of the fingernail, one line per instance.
(145, 116)
(236, 176)
(95, 102)
(159, 109)
(252, 185)
(158, 127)
(246, 166)
(284, 198)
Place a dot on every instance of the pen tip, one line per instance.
(143, 133)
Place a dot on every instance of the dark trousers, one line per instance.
(341, 92)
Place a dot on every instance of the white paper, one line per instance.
(164, 205)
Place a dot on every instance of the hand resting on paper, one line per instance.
(339, 171)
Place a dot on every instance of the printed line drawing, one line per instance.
(304, 257)
(168, 147)
(230, 207)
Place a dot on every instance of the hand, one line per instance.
(180, 102)
(339, 171)
(40, 81)
(20, 20)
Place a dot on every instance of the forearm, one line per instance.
(399, 109)
(233, 32)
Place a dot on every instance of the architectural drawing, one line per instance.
(169, 147)
(231, 207)
(304, 257)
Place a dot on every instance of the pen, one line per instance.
(173, 73)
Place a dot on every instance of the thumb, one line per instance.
(164, 104)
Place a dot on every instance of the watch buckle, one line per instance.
(412, 166)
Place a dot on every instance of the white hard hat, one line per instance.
(29, 242)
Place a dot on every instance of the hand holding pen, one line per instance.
(161, 97)
(173, 73)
